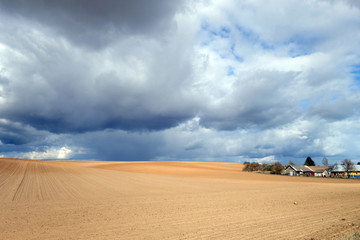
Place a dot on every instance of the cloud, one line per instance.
(50, 153)
(63, 88)
(15, 133)
(257, 100)
(94, 24)
(336, 109)
(184, 80)
(267, 159)
(118, 145)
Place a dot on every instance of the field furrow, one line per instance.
(115, 200)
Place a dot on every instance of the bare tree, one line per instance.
(348, 165)
(325, 161)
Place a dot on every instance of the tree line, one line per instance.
(273, 168)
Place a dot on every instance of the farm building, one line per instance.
(321, 173)
(298, 170)
(339, 171)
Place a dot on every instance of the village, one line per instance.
(347, 169)
(316, 171)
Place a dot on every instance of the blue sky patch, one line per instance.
(209, 34)
(301, 45)
(254, 38)
(224, 32)
(305, 104)
(230, 71)
(355, 71)
(237, 57)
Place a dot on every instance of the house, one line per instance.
(340, 171)
(298, 170)
(321, 173)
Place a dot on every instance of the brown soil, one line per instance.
(169, 200)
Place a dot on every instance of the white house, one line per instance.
(321, 173)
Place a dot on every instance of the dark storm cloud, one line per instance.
(96, 23)
(117, 145)
(65, 98)
(136, 84)
(12, 133)
(61, 107)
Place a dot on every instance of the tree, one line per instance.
(277, 168)
(325, 161)
(268, 167)
(291, 163)
(309, 162)
(250, 167)
(348, 165)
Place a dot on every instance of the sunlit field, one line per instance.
(169, 200)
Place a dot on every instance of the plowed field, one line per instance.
(169, 200)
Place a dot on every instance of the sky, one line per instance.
(201, 80)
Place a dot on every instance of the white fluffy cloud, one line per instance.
(50, 153)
